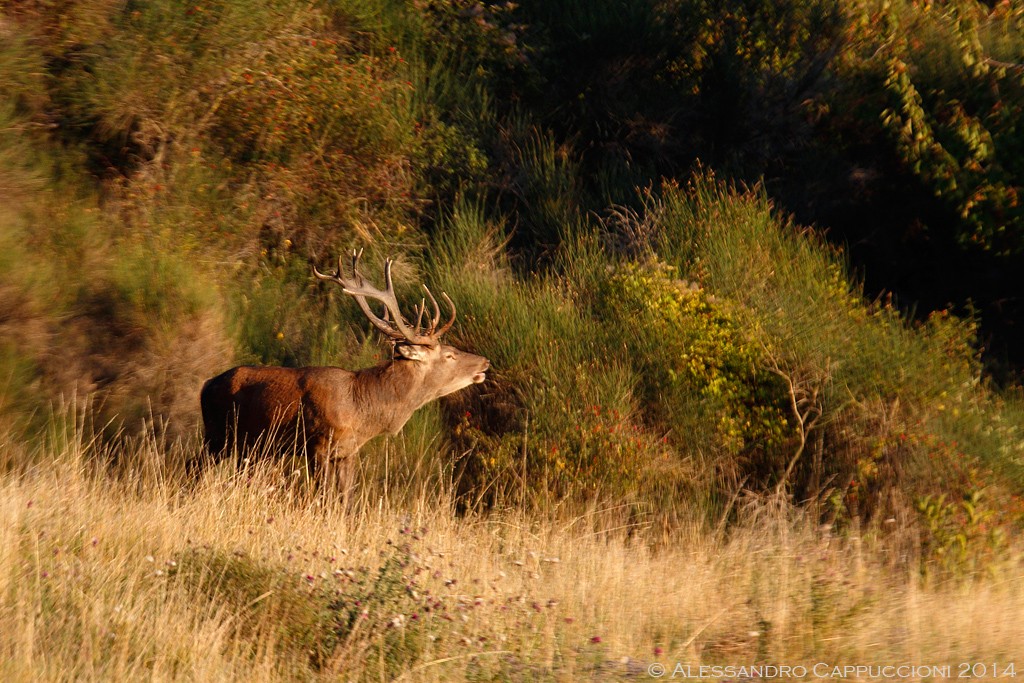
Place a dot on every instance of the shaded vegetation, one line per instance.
(661, 334)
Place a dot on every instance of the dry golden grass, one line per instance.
(134, 577)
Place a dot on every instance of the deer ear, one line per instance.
(412, 351)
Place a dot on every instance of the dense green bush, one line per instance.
(870, 392)
(171, 170)
(327, 131)
(696, 358)
(949, 106)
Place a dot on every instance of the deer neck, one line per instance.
(390, 393)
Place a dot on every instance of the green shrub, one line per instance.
(18, 397)
(698, 359)
(149, 330)
(960, 537)
(539, 408)
(328, 130)
(303, 120)
(868, 389)
(151, 284)
(948, 106)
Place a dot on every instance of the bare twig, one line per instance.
(805, 403)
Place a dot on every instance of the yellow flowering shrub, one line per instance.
(693, 348)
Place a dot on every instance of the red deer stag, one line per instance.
(330, 412)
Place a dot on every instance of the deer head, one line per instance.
(444, 369)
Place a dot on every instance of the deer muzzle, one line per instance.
(482, 375)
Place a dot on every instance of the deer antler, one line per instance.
(432, 330)
(394, 325)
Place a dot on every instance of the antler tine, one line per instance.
(333, 277)
(437, 310)
(451, 321)
(391, 301)
(389, 287)
(419, 314)
(355, 265)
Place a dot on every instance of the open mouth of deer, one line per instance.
(482, 375)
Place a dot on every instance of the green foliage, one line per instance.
(273, 319)
(384, 612)
(17, 374)
(149, 285)
(697, 358)
(797, 290)
(546, 182)
(960, 537)
(322, 125)
(486, 38)
(866, 389)
(644, 86)
(561, 443)
(558, 422)
(584, 394)
(311, 125)
(954, 103)
(170, 171)
(158, 79)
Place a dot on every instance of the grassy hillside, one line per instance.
(132, 578)
(683, 376)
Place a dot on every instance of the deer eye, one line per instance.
(450, 355)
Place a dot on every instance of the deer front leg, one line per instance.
(339, 474)
(332, 463)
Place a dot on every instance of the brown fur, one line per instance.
(327, 412)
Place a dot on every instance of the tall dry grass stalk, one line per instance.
(241, 576)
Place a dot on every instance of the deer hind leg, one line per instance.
(217, 418)
(215, 426)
